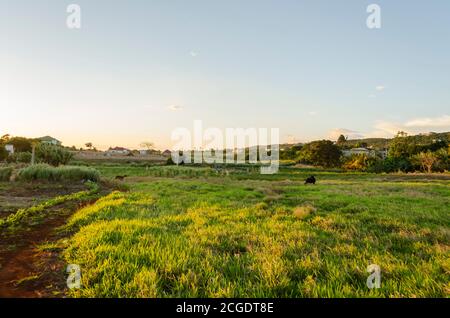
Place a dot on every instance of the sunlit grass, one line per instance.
(206, 236)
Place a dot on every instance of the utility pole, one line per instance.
(33, 153)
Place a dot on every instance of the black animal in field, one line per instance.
(310, 180)
(121, 178)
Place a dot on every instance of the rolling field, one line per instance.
(197, 232)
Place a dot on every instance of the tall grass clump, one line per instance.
(5, 173)
(62, 173)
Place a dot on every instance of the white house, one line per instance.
(118, 151)
(50, 141)
(358, 151)
(9, 149)
(365, 151)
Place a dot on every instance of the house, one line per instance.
(118, 151)
(50, 141)
(10, 149)
(167, 153)
(358, 151)
(383, 153)
(369, 152)
(143, 152)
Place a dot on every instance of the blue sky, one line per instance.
(136, 70)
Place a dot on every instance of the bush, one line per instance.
(64, 173)
(21, 144)
(53, 155)
(19, 157)
(320, 153)
(3, 153)
(426, 160)
(391, 165)
(356, 162)
(5, 173)
(170, 162)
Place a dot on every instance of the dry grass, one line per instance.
(302, 212)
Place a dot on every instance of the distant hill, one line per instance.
(375, 143)
(383, 143)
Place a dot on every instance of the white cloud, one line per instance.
(291, 139)
(312, 113)
(350, 134)
(193, 53)
(427, 122)
(175, 108)
(414, 126)
(380, 88)
(372, 96)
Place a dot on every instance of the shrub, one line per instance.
(19, 157)
(63, 173)
(391, 165)
(320, 153)
(426, 160)
(5, 173)
(443, 163)
(3, 153)
(21, 144)
(53, 155)
(170, 162)
(356, 162)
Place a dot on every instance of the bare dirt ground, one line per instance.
(15, 195)
(26, 269)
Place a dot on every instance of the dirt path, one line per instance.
(25, 270)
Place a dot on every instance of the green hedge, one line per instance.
(62, 173)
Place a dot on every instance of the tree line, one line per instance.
(427, 153)
(23, 151)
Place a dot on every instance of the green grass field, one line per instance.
(195, 232)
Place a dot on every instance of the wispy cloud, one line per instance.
(378, 89)
(291, 139)
(350, 134)
(427, 122)
(312, 113)
(193, 53)
(175, 108)
(413, 126)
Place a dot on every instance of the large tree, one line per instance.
(402, 146)
(426, 160)
(320, 153)
(21, 144)
(341, 140)
(148, 145)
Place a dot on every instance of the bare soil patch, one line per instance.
(18, 195)
(26, 269)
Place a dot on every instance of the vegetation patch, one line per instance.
(62, 173)
(15, 219)
(5, 173)
(302, 212)
(216, 237)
